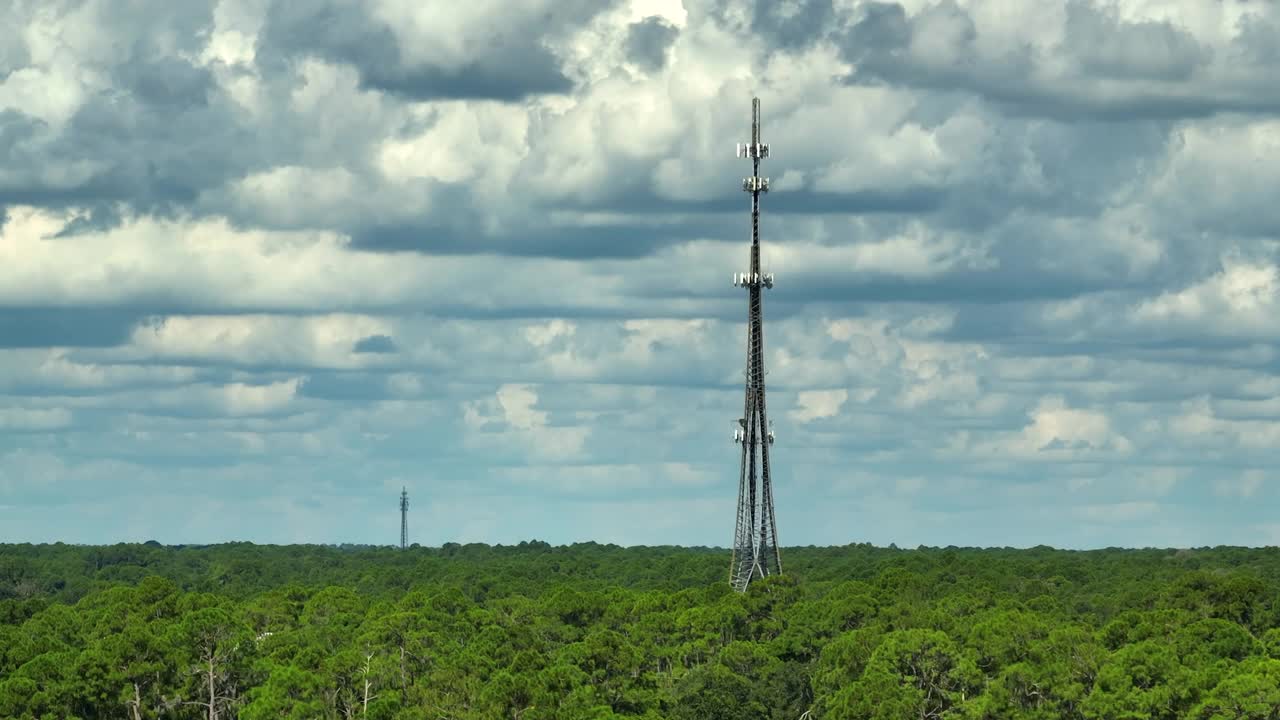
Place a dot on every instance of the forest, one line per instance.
(589, 631)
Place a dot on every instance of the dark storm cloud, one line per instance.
(1013, 318)
(345, 386)
(154, 138)
(791, 25)
(166, 83)
(515, 66)
(1256, 43)
(884, 30)
(160, 157)
(1262, 222)
(1025, 328)
(375, 344)
(657, 309)
(13, 56)
(627, 239)
(155, 144)
(1148, 50)
(100, 218)
(16, 128)
(1078, 169)
(169, 134)
(783, 25)
(987, 192)
(914, 200)
(960, 287)
(648, 40)
(163, 133)
(1160, 62)
(510, 63)
(37, 327)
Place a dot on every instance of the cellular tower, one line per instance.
(755, 538)
(404, 518)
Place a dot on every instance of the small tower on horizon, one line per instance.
(755, 538)
(404, 518)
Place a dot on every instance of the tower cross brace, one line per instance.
(755, 537)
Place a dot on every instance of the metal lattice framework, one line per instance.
(755, 539)
(404, 518)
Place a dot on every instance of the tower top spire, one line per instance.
(755, 119)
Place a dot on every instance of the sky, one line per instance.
(265, 262)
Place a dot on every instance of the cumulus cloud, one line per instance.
(1072, 59)
(510, 414)
(1026, 260)
(404, 47)
(816, 404)
(1199, 423)
(649, 40)
(1057, 432)
(1238, 300)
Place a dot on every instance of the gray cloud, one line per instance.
(350, 387)
(155, 154)
(376, 344)
(166, 83)
(505, 61)
(330, 249)
(783, 26)
(648, 41)
(1143, 50)
(36, 327)
(1164, 73)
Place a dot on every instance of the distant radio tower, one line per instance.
(404, 518)
(755, 539)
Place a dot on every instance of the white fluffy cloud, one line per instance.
(1237, 301)
(817, 404)
(1025, 258)
(510, 418)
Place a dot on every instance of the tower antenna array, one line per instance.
(755, 537)
(404, 518)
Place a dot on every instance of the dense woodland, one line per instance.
(536, 632)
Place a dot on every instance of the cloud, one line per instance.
(649, 40)
(23, 419)
(612, 481)
(251, 251)
(1236, 301)
(1072, 60)
(511, 414)
(1243, 486)
(209, 265)
(1059, 432)
(403, 48)
(1159, 481)
(375, 344)
(815, 404)
(1118, 512)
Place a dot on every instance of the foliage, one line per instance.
(591, 632)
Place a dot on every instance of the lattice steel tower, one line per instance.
(404, 518)
(755, 539)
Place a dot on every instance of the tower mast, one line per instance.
(404, 518)
(755, 537)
